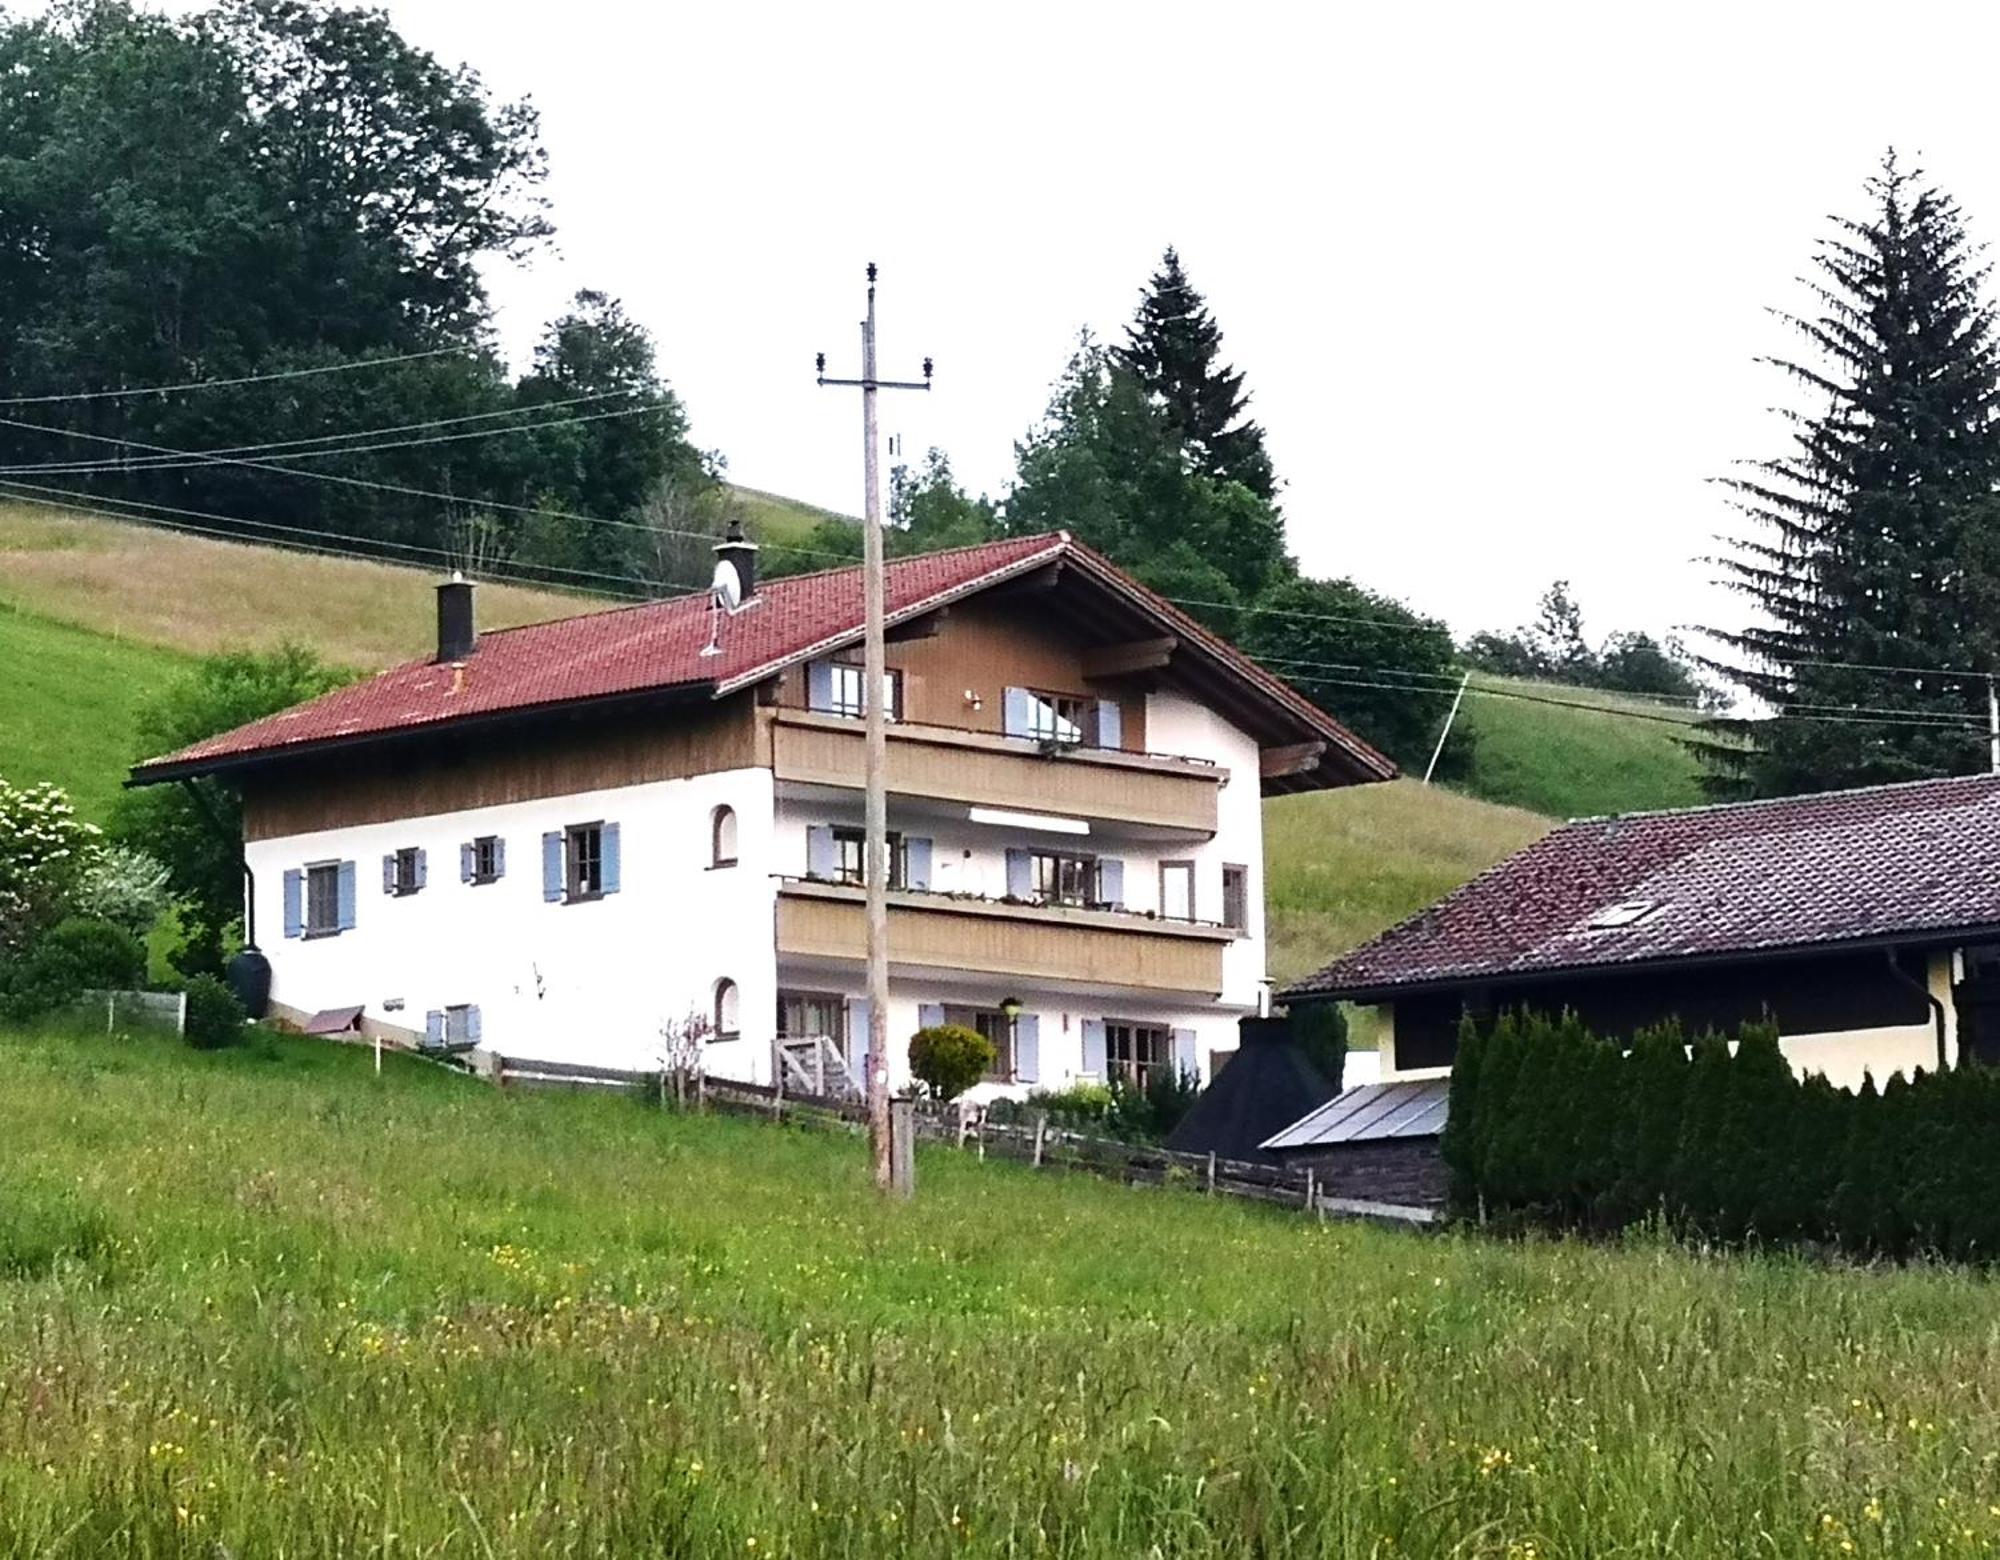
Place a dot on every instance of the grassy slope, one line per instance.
(262, 1305)
(68, 700)
(1341, 866)
(1572, 763)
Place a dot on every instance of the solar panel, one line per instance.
(1373, 1113)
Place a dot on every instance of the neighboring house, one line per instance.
(1865, 923)
(558, 841)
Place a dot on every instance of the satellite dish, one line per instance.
(727, 586)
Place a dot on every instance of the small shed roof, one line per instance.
(1373, 1113)
(1267, 1083)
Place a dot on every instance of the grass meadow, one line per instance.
(263, 1304)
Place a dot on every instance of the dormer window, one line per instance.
(1629, 912)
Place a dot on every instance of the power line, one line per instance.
(240, 379)
(216, 455)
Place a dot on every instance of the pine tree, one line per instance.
(1171, 349)
(1874, 542)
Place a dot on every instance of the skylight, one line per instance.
(1629, 912)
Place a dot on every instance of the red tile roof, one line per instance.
(1905, 861)
(658, 646)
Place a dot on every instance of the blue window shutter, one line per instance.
(1110, 724)
(552, 865)
(1028, 1048)
(1020, 874)
(820, 860)
(434, 1027)
(1017, 712)
(389, 873)
(472, 1029)
(608, 839)
(295, 902)
(857, 1039)
(466, 854)
(423, 867)
(1093, 1047)
(500, 856)
(1185, 1061)
(347, 896)
(819, 685)
(916, 863)
(929, 1015)
(1111, 880)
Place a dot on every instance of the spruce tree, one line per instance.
(1873, 544)
(1171, 349)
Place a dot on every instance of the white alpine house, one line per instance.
(569, 841)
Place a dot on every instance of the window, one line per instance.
(486, 860)
(994, 1025)
(850, 848)
(323, 899)
(1135, 1051)
(1055, 717)
(1236, 898)
(403, 871)
(805, 1014)
(1063, 879)
(1177, 890)
(722, 837)
(847, 683)
(1630, 913)
(727, 1023)
(583, 861)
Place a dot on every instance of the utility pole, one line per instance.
(1992, 726)
(874, 676)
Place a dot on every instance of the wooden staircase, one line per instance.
(815, 1065)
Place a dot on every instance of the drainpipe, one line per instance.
(235, 843)
(1923, 989)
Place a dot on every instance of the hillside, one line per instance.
(263, 1303)
(1341, 866)
(1597, 753)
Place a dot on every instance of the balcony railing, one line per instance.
(982, 769)
(1014, 938)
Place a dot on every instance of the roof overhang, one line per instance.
(1367, 994)
(238, 766)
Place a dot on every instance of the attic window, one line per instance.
(1629, 912)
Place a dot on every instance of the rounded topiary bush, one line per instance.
(78, 954)
(215, 1018)
(948, 1059)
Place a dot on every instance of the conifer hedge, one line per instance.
(1551, 1125)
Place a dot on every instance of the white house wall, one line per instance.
(590, 982)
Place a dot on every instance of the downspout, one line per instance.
(1923, 989)
(235, 844)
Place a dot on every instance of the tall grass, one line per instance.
(261, 1304)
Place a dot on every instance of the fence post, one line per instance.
(701, 1091)
(1041, 1132)
(903, 1146)
(1309, 1188)
(1211, 1172)
(182, 1020)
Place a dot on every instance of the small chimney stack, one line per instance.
(458, 634)
(740, 553)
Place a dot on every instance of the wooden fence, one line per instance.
(1035, 1143)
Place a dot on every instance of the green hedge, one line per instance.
(1551, 1125)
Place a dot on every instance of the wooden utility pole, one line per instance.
(874, 675)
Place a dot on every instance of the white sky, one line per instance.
(1497, 273)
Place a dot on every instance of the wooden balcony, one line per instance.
(995, 937)
(981, 769)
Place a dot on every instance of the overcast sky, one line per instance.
(1497, 273)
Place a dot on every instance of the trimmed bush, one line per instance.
(215, 1019)
(75, 955)
(1553, 1126)
(948, 1059)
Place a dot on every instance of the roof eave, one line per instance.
(1369, 994)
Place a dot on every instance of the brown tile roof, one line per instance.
(1894, 861)
(657, 646)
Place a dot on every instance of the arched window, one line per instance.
(722, 837)
(726, 1020)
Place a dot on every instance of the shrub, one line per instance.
(948, 1059)
(75, 955)
(44, 849)
(1320, 1030)
(215, 1019)
(124, 886)
(1169, 1095)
